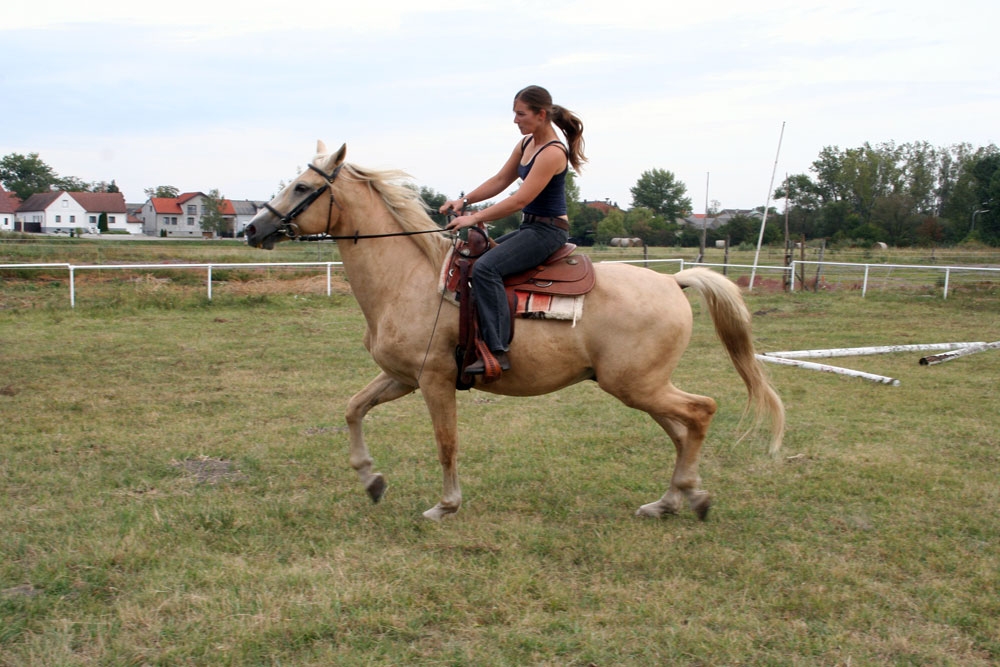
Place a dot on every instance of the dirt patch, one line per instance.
(208, 470)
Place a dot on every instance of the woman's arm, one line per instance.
(491, 187)
(549, 162)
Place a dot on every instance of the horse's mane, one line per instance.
(405, 205)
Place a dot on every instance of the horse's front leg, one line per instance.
(380, 390)
(440, 399)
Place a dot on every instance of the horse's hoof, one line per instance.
(701, 502)
(376, 487)
(655, 510)
(439, 512)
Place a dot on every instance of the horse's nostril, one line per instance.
(250, 230)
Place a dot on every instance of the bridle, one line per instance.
(288, 226)
(289, 229)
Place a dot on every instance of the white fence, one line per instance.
(208, 268)
(854, 275)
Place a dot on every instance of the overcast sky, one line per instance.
(203, 95)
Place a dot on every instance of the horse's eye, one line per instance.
(301, 187)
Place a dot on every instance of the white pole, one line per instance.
(948, 356)
(767, 203)
(864, 351)
(881, 379)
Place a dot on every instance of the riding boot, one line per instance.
(478, 367)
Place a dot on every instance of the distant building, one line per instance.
(8, 210)
(63, 212)
(179, 216)
(722, 217)
(605, 206)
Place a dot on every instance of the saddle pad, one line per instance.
(536, 305)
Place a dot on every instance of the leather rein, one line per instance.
(291, 230)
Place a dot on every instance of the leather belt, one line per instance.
(555, 222)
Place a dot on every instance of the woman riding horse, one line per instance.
(541, 161)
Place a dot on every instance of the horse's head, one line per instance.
(292, 212)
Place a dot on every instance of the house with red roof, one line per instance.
(61, 212)
(8, 210)
(180, 216)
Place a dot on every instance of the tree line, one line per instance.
(903, 195)
(25, 175)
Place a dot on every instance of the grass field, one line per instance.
(175, 490)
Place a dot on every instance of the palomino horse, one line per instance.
(635, 326)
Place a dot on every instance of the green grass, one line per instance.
(176, 491)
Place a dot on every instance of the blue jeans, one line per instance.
(526, 247)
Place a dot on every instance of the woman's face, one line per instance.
(527, 120)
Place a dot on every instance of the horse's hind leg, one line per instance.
(380, 390)
(685, 417)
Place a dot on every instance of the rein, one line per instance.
(291, 230)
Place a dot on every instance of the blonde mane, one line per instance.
(405, 205)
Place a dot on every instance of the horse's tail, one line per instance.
(732, 324)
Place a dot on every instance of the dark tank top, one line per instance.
(551, 201)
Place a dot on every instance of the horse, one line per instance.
(635, 326)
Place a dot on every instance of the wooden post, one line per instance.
(819, 265)
(802, 256)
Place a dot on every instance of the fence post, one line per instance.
(209, 282)
(791, 282)
(72, 288)
(947, 275)
(864, 285)
(329, 269)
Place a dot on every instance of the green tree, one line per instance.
(573, 205)
(213, 219)
(986, 172)
(102, 223)
(583, 225)
(433, 200)
(659, 190)
(611, 226)
(25, 175)
(72, 184)
(162, 191)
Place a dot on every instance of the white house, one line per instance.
(81, 212)
(179, 216)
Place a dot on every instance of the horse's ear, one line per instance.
(341, 154)
(320, 147)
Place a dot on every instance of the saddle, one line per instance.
(562, 274)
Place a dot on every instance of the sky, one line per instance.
(728, 95)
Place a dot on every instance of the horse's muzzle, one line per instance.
(260, 234)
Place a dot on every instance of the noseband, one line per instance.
(288, 226)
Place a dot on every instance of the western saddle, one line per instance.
(563, 274)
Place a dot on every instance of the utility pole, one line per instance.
(704, 223)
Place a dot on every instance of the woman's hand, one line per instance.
(452, 206)
(461, 222)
